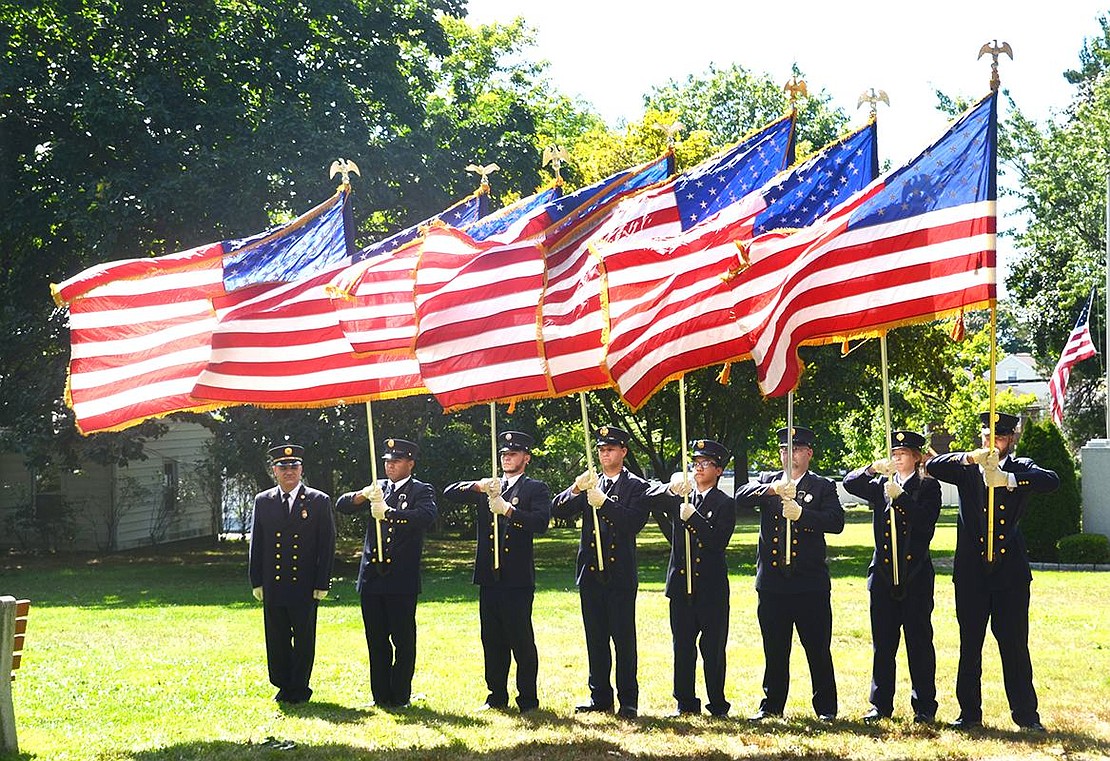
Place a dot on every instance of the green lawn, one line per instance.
(160, 656)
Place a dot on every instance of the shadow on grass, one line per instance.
(599, 748)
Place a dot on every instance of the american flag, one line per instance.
(916, 245)
(281, 344)
(1079, 347)
(141, 329)
(478, 303)
(574, 321)
(671, 305)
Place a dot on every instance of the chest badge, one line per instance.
(304, 515)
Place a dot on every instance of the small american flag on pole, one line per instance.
(1079, 347)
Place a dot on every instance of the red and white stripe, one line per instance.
(841, 283)
(1078, 347)
(477, 307)
(281, 345)
(140, 333)
(671, 304)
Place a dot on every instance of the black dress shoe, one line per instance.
(592, 707)
(762, 715)
(874, 715)
(826, 718)
(493, 706)
(684, 712)
(923, 718)
(1036, 727)
(964, 725)
(628, 712)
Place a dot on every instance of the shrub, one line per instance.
(1083, 548)
(1056, 514)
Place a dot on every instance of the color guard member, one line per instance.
(608, 594)
(522, 507)
(997, 589)
(406, 509)
(794, 593)
(901, 482)
(292, 548)
(697, 590)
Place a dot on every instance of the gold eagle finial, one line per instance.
(994, 51)
(345, 168)
(874, 97)
(483, 172)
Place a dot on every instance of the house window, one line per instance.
(169, 487)
(1011, 375)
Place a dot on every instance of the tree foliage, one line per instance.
(1056, 514)
(1061, 172)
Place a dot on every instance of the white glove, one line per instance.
(498, 505)
(491, 486)
(319, 594)
(979, 456)
(685, 511)
(680, 485)
(257, 593)
(586, 481)
(378, 509)
(995, 478)
(596, 497)
(893, 490)
(373, 492)
(784, 487)
(884, 467)
(791, 510)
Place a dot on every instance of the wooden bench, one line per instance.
(13, 632)
(21, 609)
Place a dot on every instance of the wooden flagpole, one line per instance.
(889, 452)
(374, 477)
(685, 469)
(493, 469)
(590, 466)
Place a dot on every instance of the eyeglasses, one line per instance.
(287, 465)
(703, 464)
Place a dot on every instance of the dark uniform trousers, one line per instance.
(999, 592)
(291, 554)
(698, 621)
(389, 590)
(608, 597)
(795, 596)
(909, 607)
(505, 595)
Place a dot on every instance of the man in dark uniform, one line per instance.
(608, 594)
(291, 553)
(796, 510)
(516, 508)
(701, 517)
(994, 589)
(900, 482)
(401, 510)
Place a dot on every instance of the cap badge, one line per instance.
(604, 430)
(289, 450)
(901, 437)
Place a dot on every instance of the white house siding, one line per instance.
(185, 444)
(93, 491)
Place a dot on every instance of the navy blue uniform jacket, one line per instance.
(821, 514)
(915, 516)
(531, 502)
(1011, 566)
(619, 521)
(710, 529)
(292, 554)
(413, 513)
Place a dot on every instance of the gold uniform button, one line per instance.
(1003, 550)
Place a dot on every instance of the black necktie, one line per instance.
(285, 500)
(697, 501)
(606, 484)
